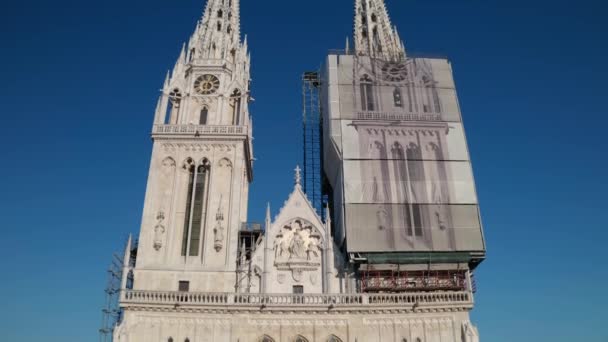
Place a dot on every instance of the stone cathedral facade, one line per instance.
(389, 262)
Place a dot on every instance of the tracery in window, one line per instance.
(431, 103)
(196, 203)
(235, 107)
(175, 100)
(367, 94)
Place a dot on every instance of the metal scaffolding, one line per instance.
(111, 311)
(313, 141)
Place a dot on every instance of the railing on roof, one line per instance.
(415, 299)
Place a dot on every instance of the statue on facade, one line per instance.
(159, 230)
(297, 248)
(218, 230)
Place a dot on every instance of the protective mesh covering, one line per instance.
(396, 135)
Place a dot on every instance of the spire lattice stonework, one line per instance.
(374, 35)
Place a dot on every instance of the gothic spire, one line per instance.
(218, 33)
(373, 32)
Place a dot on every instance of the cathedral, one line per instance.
(389, 257)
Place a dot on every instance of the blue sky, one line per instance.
(79, 85)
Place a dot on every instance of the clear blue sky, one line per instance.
(80, 81)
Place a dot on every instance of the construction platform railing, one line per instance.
(304, 300)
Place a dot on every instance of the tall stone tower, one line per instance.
(201, 165)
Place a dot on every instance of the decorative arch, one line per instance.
(266, 338)
(334, 338)
(300, 338)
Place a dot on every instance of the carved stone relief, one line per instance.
(297, 248)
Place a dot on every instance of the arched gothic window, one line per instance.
(220, 14)
(418, 339)
(235, 106)
(397, 97)
(196, 204)
(187, 340)
(300, 338)
(219, 26)
(175, 100)
(417, 187)
(333, 338)
(266, 338)
(367, 94)
(431, 103)
(170, 339)
(203, 118)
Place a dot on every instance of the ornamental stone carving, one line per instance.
(297, 248)
(159, 230)
(218, 230)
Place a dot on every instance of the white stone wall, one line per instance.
(139, 326)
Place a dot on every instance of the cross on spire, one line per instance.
(298, 176)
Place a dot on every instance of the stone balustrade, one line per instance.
(359, 300)
(199, 130)
(396, 116)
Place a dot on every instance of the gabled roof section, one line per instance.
(298, 205)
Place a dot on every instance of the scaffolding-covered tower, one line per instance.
(313, 140)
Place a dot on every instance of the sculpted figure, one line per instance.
(313, 248)
(297, 247)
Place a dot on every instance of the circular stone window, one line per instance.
(206, 84)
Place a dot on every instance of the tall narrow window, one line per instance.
(203, 119)
(175, 99)
(402, 187)
(235, 105)
(189, 166)
(367, 94)
(195, 208)
(220, 14)
(219, 26)
(417, 186)
(397, 97)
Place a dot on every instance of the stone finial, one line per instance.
(298, 176)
